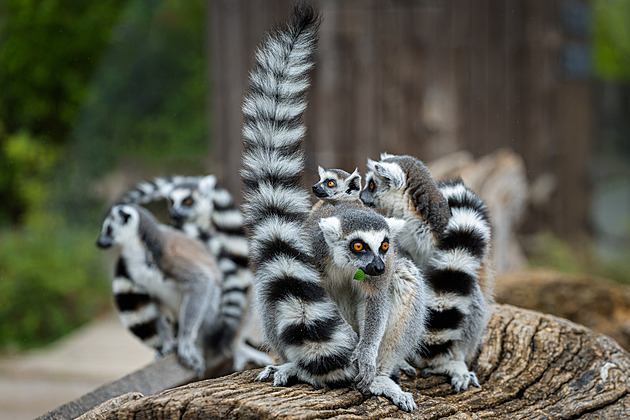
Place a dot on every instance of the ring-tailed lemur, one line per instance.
(448, 236)
(298, 259)
(337, 185)
(207, 212)
(176, 271)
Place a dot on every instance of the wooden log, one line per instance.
(531, 365)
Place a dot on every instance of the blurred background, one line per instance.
(96, 96)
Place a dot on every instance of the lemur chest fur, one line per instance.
(145, 272)
(415, 241)
(345, 292)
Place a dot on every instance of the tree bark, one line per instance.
(530, 366)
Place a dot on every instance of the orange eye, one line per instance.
(357, 246)
(385, 246)
(171, 202)
(331, 183)
(188, 202)
(371, 186)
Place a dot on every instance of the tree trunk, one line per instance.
(531, 366)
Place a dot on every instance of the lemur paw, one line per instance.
(384, 386)
(266, 373)
(405, 401)
(166, 349)
(281, 374)
(460, 382)
(365, 377)
(190, 357)
(407, 369)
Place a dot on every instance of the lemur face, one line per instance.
(384, 183)
(365, 248)
(337, 185)
(191, 201)
(120, 225)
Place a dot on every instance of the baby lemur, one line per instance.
(177, 272)
(325, 275)
(448, 236)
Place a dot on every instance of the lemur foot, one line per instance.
(266, 373)
(166, 349)
(407, 369)
(460, 376)
(461, 382)
(385, 387)
(281, 374)
(190, 356)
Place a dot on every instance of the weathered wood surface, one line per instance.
(531, 366)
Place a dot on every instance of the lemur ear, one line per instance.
(395, 225)
(354, 181)
(124, 215)
(331, 227)
(370, 164)
(391, 172)
(386, 155)
(207, 184)
(321, 171)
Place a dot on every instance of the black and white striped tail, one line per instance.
(300, 323)
(157, 189)
(138, 310)
(458, 315)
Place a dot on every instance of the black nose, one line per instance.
(367, 199)
(177, 219)
(103, 243)
(319, 191)
(375, 268)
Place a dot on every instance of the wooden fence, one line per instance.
(427, 78)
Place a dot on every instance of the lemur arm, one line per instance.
(372, 330)
(196, 304)
(429, 203)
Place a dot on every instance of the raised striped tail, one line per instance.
(300, 323)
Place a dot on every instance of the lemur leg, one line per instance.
(167, 338)
(195, 305)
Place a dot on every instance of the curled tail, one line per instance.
(157, 189)
(300, 323)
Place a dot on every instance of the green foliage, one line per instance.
(84, 85)
(611, 39)
(148, 97)
(48, 50)
(27, 166)
(51, 281)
